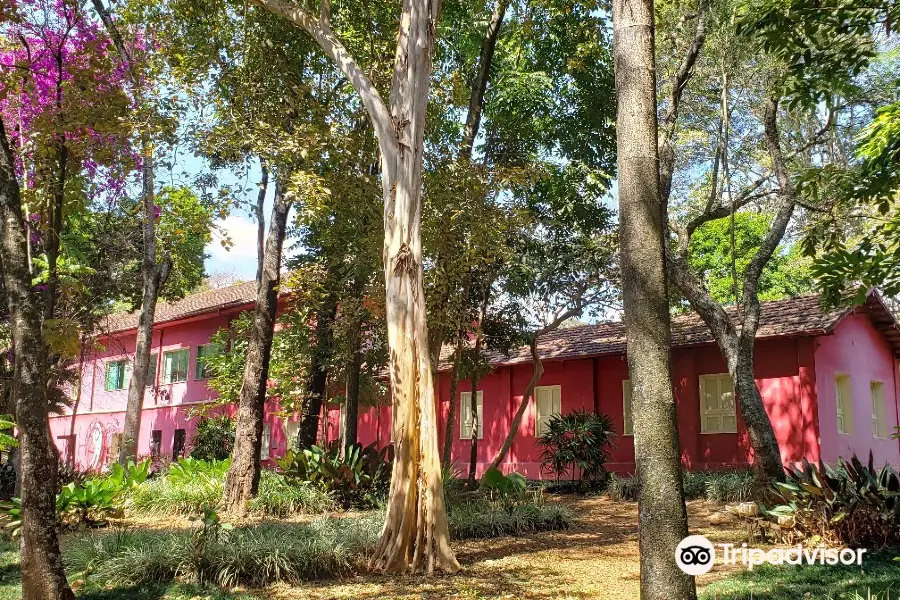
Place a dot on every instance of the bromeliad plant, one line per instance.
(852, 504)
(359, 477)
(578, 443)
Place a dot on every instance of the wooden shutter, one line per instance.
(843, 403)
(465, 416)
(548, 402)
(266, 441)
(727, 404)
(479, 399)
(110, 376)
(628, 422)
(879, 420)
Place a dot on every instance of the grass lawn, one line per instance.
(596, 558)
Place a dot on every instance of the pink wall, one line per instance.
(858, 350)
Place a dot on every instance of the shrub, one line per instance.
(213, 438)
(853, 504)
(251, 556)
(577, 443)
(730, 486)
(279, 497)
(715, 486)
(483, 517)
(180, 494)
(622, 488)
(357, 478)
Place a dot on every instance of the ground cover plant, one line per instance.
(715, 486)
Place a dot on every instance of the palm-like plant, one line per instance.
(578, 443)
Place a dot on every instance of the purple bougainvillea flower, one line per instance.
(157, 211)
(41, 287)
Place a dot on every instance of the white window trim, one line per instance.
(538, 418)
(265, 442)
(843, 420)
(879, 425)
(627, 408)
(465, 402)
(720, 413)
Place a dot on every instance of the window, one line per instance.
(155, 443)
(202, 370)
(547, 399)
(843, 404)
(717, 404)
(178, 444)
(879, 422)
(69, 453)
(465, 415)
(628, 423)
(266, 440)
(151, 369)
(115, 375)
(175, 365)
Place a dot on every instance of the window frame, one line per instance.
(627, 409)
(187, 365)
(538, 418)
(265, 442)
(465, 403)
(121, 362)
(879, 422)
(198, 361)
(843, 406)
(706, 413)
(156, 445)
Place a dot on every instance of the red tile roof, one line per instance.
(196, 304)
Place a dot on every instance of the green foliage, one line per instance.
(577, 443)
(878, 579)
(255, 556)
(494, 480)
(7, 426)
(87, 504)
(213, 437)
(715, 486)
(279, 496)
(358, 477)
(482, 516)
(786, 274)
(853, 504)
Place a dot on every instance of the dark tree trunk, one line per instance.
(43, 575)
(450, 427)
(354, 367)
(662, 513)
(473, 449)
(154, 276)
(261, 221)
(242, 481)
(318, 376)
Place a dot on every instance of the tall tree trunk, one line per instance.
(450, 426)
(662, 513)
(43, 575)
(318, 376)
(261, 220)
(476, 377)
(242, 481)
(154, 276)
(415, 535)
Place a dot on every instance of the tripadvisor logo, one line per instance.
(695, 555)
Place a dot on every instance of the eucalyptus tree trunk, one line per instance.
(415, 536)
(242, 481)
(318, 376)
(662, 513)
(43, 575)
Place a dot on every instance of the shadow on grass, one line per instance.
(174, 591)
(878, 577)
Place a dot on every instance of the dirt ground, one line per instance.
(596, 558)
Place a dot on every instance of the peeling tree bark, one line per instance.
(242, 481)
(43, 575)
(415, 535)
(662, 513)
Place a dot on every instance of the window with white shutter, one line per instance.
(628, 423)
(843, 404)
(547, 400)
(266, 440)
(717, 413)
(465, 415)
(879, 421)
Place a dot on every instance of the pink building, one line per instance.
(830, 382)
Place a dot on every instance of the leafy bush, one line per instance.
(494, 481)
(483, 517)
(715, 486)
(213, 438)
(279, 497)
(358, 477)
(250, 556)
(853, 504)
(577, 443)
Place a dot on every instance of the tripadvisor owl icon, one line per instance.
(695, 555)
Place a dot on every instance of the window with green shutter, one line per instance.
(202, 369)
(175, 365)
(115, 375)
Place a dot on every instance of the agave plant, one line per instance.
(852, 503)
